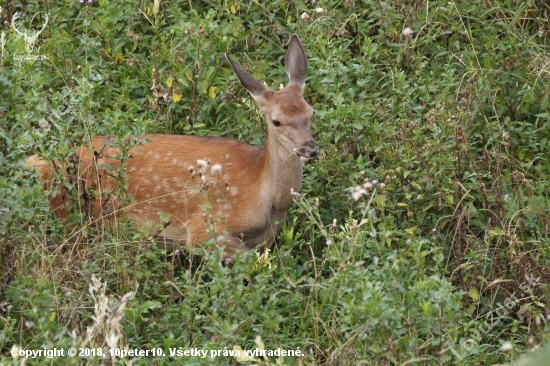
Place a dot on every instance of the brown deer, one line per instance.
(206, 187)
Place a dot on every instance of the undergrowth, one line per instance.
(421, 234)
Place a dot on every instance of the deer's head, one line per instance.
(288, 114)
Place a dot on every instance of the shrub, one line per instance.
(440, 256)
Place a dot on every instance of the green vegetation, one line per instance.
(422, 232)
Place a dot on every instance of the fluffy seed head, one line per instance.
(408, 32)
(506, 347)
(357, 193)
(202, 163)
(216, 169)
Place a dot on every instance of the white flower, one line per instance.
(357, 193)
(408, 32)
(319, 10)
(305, 15)
(216, 169)
(506, 346)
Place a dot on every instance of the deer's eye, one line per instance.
(276, 123)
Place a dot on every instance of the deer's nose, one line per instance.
(312, 148)
(312, 152)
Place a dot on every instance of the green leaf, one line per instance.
(474, 294)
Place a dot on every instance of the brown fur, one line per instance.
(238, 198)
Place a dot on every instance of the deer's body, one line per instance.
(207, 187)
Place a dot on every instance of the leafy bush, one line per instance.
(441, 255)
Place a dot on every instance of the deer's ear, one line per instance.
(295, 63)
(254, 87)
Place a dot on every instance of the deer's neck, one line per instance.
(283, 172)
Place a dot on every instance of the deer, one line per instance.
(187, 190)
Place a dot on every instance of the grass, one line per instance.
(420, 235)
